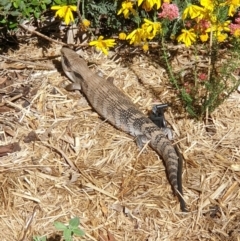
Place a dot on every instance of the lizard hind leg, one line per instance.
(73, 86)
(141, 140)
(168, 133)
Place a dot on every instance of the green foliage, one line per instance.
(14, 11)
(204, 95)
(172, 28)
(102, 14)
(37, 238)
(64, 2)
(69, 230)
(201, 96)
(222, 13)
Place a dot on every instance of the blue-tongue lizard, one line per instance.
(113, 105)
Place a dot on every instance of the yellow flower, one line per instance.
(122, 36)
(208, 4)
(148, 4)
(86, 23)
(224, 26)
(193, 11)
(148, 31)
(236, 33)
(233, 5)
(221, 36)
(219, 27)
(145, 47)
(187, 36)
(103, 45)
(65, 12)
(136, 36)
(212, 18)
(127, 7)
(204, 37)
(151, 28)
(172, 36)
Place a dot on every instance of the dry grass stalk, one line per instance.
(113, 189)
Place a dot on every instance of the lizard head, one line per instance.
(71, 62)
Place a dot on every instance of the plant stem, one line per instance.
(171, 75)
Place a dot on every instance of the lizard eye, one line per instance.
(77, 75)
(66, 62)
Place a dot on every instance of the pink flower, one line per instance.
(187, 87)
(235, 29)
(237, 20)
(204, 24)
(188, 23)
(169, 11)
(202, 76)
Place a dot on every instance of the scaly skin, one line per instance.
(119, 110)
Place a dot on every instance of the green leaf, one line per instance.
(22, 4)
(78, 232)
(15, 4)
(43, 6)
(8, 7)
(4, 2)
(37, 14)
(3, 21)
(48, 1)
(67, 234)
(13, 25)
(60, 226)
(38, 238)
(35, 2)
(27, 11)
(15, 13)
(58, 2)
(74, 222)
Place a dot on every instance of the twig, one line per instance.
(70, 163)
(47, 38)
(80, 16)
(209, 70)
(27, 62)
(41, 35)
(11, 100)
(10, 148)
(78, 12)
(29, 222)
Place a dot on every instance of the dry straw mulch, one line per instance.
(72, 163)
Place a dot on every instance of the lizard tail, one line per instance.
(172, 160)
(173, 163)
(165, 149)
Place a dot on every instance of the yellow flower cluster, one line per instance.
(201, 21)
(147, 32)
(65, 12)
(206, 21)
(147, 5)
